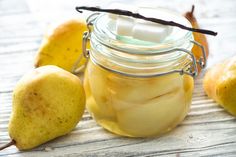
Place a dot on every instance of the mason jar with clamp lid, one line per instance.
(138, 84)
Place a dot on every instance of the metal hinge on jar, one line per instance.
(192, 70)
(85, 51)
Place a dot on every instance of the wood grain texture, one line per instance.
(207, 130)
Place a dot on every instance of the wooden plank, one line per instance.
(218, 124)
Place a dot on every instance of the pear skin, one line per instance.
(210, 79)
(63, 46)
(198, 37)
(220, 84)
(226, 92)
(47, 103)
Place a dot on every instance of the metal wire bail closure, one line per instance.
(203, 60)
(85, 51)
(86, 35)
(192, 70)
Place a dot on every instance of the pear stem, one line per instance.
(192, 10)
(12, 142)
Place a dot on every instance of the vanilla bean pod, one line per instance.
(155, 20)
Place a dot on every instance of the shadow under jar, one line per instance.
(139, 88)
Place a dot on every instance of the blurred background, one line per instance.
(23, 24)
(216, 15)
(58, 9)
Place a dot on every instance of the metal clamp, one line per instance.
(202, 60)
(86, 38)
(192, 71)
(85, 51)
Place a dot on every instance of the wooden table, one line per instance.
(207, 130)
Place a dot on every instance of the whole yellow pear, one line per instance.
(47, 103)
(220, 84)
(63, 46)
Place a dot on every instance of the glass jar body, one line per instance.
(136, 106)
(134, 87)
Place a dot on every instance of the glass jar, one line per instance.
(138, 88)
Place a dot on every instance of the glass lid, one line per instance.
(141, 36)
